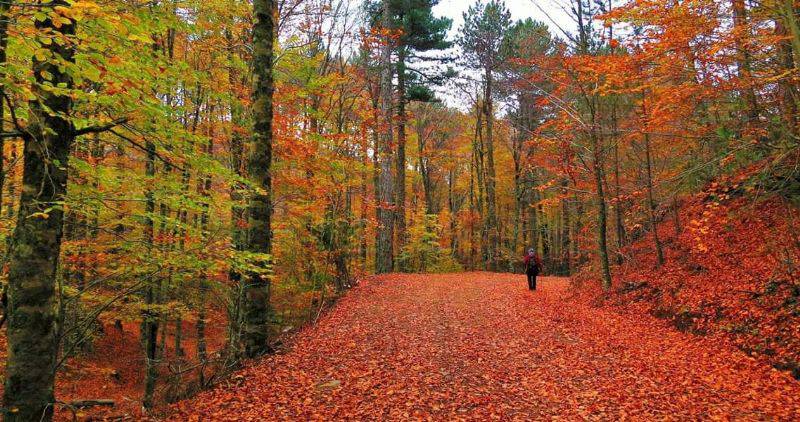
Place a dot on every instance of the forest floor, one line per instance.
(481, 346)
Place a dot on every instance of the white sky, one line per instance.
(520, 9)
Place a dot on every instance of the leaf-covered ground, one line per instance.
(730, 270)
(477, 346)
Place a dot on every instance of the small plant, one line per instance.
(423, 253)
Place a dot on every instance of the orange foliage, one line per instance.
(731, 273)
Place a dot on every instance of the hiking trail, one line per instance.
(479, 346)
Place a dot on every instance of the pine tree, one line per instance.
(419, 31)
(482, 34)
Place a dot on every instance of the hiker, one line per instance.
(533, 264)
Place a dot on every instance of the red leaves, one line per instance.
(727, 274)
(479, 346)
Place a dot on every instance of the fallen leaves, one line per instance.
(730, 273)
(479, 346)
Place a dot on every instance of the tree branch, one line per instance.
(13, 112)
(101, 128)
(145, 149)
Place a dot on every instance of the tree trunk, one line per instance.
(150, 337)
(619, 224)
(10, 176)
(533, 220)
(480, 173)
(790, 98)
(257, 290)
(472, 211)
(424, 170)
(238, 214)
(788, 12)
(516, 155)
(376, 168)
(363, 223)
(575, 229)
(205, 192)
(565, 235)
(179, 337)
(651, 203)
(202, 354)
(384, 249)
(491, 202)
(600, 201)
(744, 60)
(36, 240)
(149, 325)
(5, 6)
(451, 203)
(400, 213)
(165, 283)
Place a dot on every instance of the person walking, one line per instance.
(533, 265)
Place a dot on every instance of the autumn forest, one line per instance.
(321, 209)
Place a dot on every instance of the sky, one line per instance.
(520, 9)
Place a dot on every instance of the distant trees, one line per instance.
(481, 40)
(413, 30)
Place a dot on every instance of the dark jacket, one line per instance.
(533, 264)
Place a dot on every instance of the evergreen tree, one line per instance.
(481, 41)
(524, 40)
(419, 32)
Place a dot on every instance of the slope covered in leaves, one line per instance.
(730, 271)
(479, 345)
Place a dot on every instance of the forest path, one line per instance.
(480, 346)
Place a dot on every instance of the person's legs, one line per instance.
(533, 282)
(530, 281)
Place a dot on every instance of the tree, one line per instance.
(259, 241)
(36, 242)
(524, 40)
(384, 248)
(418, 31)
(481, 40)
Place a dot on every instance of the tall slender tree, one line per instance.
(481, 39)
(384, 247)
(526, 39)
(418, 31)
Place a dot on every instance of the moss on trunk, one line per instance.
(36, 241)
